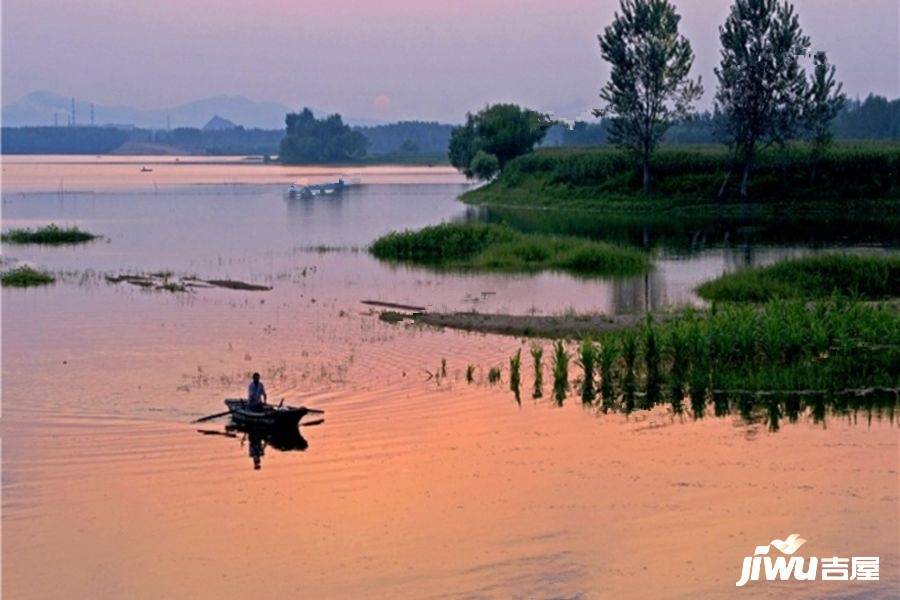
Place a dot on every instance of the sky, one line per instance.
(385, 59)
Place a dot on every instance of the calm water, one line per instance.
(413, 486)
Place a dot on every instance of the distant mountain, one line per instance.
(39, 108)
(217, 123)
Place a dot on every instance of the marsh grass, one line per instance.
(470, 373)
(51, 235)
(494, 375)
(608, 355)
(560, 372)
(515, 377)
(629, 347)
(869, 277)
(489, 247)
(651, 364)
(587, 360)
(537, 356)
(25, 277)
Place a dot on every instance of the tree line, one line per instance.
(771, 88)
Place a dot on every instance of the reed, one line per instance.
(51, 235)
(588, 359)
(651, 363)
(629, 380)
(537, 354)
(678, 368)
(494, 375)
(608, 355)
(515, 379)
(470, 373)
(560, 372)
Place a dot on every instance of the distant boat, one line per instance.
(309, 191)
(146, 170)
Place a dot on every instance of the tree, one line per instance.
(762, 87)
(309, 140)
(824, 103)
(503, 131)
(649, 88)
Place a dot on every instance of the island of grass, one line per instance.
(866, 277)
(486, 247)
(689, 177)
(51, 235)
(25, 277)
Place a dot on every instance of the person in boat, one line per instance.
(256, 393)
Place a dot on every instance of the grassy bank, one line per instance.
(688, 176)
(812, 277)
(486, 247)
(51, 235)
(25, 277)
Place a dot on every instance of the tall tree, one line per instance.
(825, 101)
(495, 136)
(308, 140)
(762, 86)
(648, 89)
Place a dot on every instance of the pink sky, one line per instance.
(387, 59)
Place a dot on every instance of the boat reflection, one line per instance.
(258, 439)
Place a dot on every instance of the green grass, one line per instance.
(605, 178)
(25, 277)
(49, 235)
(487, 247)
(783, 345)
(870, 277)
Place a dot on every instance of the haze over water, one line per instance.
(414, 486)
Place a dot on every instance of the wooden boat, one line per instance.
(270, 416)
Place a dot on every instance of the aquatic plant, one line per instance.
(499, 248)
(678, 367)
(587, 360)
(470, 373)
(608, 355)
(560, 372)
(494, 375)
(537, 354)
(25, 277)
(515, 364)
(629, 380)
(651, 363)
(443, 367)
(865, 277)
(52, 235)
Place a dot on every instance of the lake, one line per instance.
(418, 484)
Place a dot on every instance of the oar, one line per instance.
(210, 417)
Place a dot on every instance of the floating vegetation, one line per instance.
(494, 375)
(869, 277)
(470, 373)
(51, 235)
(515, 380)
(498, 248)
(237, 285)
(588, 358)
(537, 354)
(560, 372)
(25, 277)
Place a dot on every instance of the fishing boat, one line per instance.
(268, 415)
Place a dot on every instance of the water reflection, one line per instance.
(257, 440)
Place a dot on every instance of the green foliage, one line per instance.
(498, 248)
(494, 375)
(588, 359)
(25, 277)
(309, 140)
(515, 377)
(503, 131)
(600, 178)
(824, 103)
(560, 372)
(762, 93)
(484, 166)
(470, 373)
(871, 277)
(50, 235)
(648, 89)
(537, 353)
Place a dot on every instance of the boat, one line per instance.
(146, 170)
(276, 416)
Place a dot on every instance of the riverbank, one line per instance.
(687, 179)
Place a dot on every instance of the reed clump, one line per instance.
(560, 372)
(51, 235)
(537, 354)
(25, 277)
